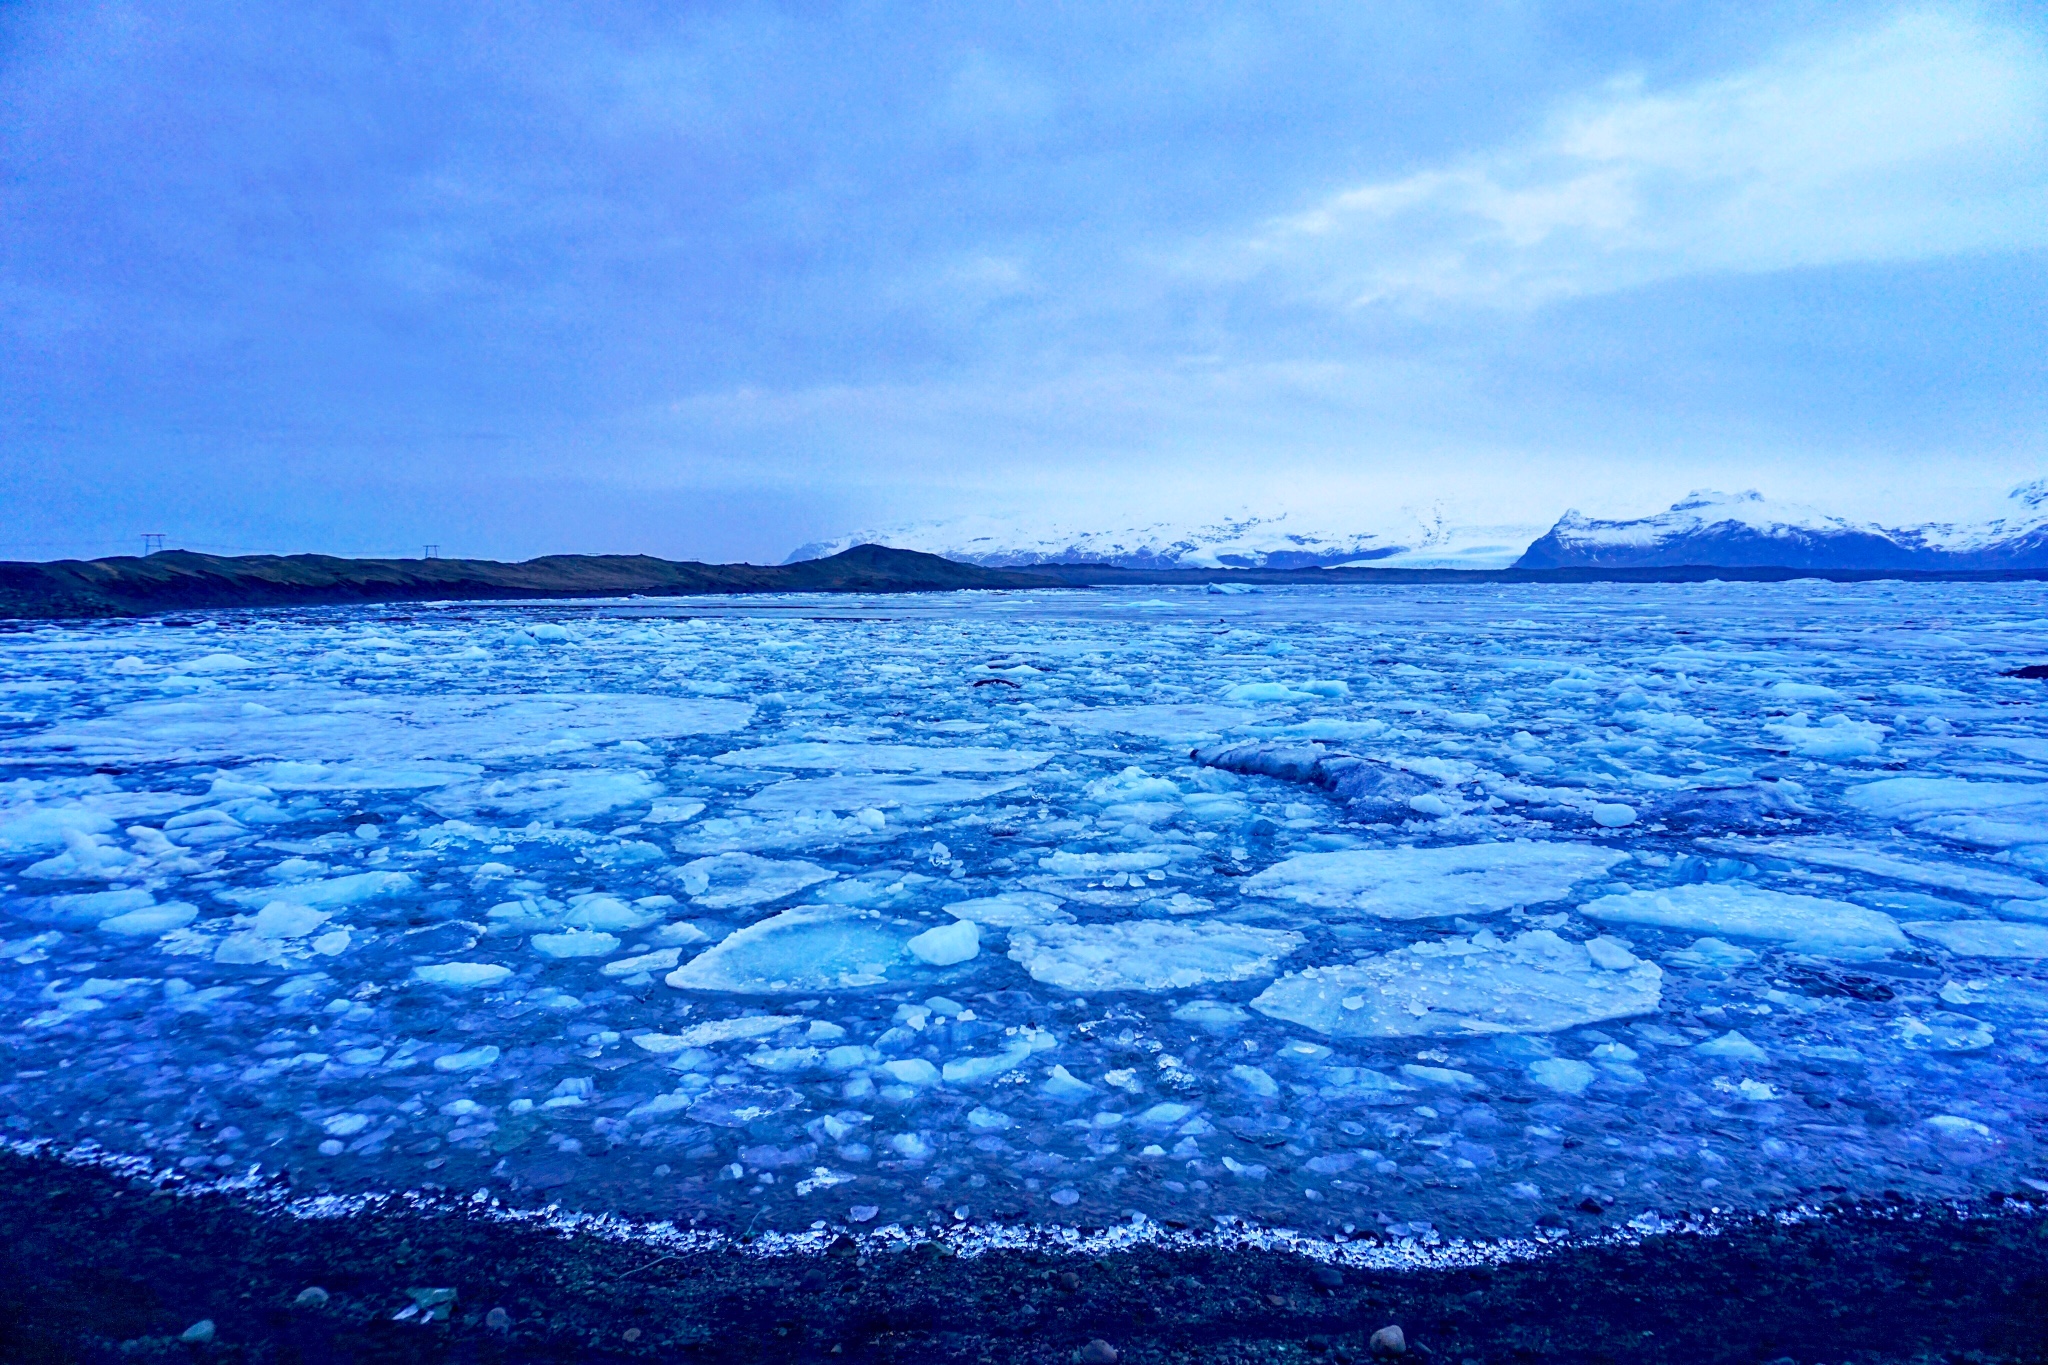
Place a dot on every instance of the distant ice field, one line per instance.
(1374, 909)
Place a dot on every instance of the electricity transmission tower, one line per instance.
(152, 541)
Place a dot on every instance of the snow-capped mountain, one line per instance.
(1406, 539)
(1744, 530)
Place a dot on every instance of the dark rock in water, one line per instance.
(2036, 671)
(1749, 809)
(1374, 790)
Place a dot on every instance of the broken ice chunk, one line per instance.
(1805, 924)
(1149, 955)
(1536, 982)
(1427, 883)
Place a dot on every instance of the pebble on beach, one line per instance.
(312, 1296)
(201, 1332)
(1096, 1352)
(1389, 1341)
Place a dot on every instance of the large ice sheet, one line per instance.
(1433, 883)
(1535, 982)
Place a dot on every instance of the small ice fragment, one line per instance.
(1562, 1074)
(660, 960)
(1213, 1015)
(1255, 1081)
(1062, 1084)
(284, 920)
(948, 944)
(1441, 1075)
(575, 943)
(1610, 953)
(150, 921)
(461, 975)
(912, 1071)
(1613, 814)
(1734, 1046)
(469, 1060)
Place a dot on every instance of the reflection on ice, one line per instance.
(1371, 907)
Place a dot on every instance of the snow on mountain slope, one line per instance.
(1748, 530)
(1407, 539)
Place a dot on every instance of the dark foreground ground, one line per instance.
(94, 1270)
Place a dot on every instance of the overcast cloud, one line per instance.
(714, 280)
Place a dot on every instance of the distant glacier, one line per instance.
(1705, 528)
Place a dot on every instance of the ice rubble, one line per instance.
(419, 874)
(1433, 883)
(1535, 982)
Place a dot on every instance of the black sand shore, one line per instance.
(93, 1268)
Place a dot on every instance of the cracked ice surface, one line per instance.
(1392, 906)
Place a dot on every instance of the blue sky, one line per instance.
(713, 280)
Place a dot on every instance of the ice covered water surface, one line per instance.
(1381, 907)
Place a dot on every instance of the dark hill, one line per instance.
(176, 579)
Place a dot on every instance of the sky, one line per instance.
(710, 281)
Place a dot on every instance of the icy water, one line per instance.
(1378, 908)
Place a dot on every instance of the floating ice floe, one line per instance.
(879, 791)
(1148, 955)
(1182, 721)
(1991, 814)
(1536, 982)
(1983, 937)
(1805, 924)
(1011, 910)
(1964, 877)
(728, 881)
(1430, 883)
(813, 948)
(887, 758)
